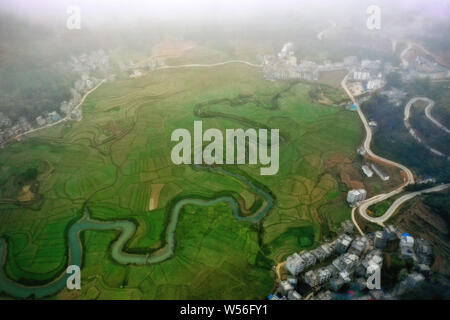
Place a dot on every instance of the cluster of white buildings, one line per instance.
(8, 130)
(352, 262)
(85, 65)
(285, 66)
(366, 77)
(369, 168)
(138, 70)
(94, 62)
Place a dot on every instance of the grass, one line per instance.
(109, 160)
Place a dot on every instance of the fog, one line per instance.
(129, 12)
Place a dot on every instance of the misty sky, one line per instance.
(126, 11)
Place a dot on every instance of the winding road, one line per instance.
(412, 132)
(368, 138)
(65, 118)
(367, 142)
(362, 209)
(432, 119)
(397, 203)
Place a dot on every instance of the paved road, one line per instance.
(211, 65)
(432, 119)
(362, 209)
(412, 132)
(397, 203)
(368, 139)
(367, 142)
(65, 118)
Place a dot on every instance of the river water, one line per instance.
(127, 229)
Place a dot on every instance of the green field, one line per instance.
(109, 161)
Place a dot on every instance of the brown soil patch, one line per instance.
(351, 177)
(349, 174)
(26, 194)
(154, 196)
(337, 159)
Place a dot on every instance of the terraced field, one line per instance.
(109, 162)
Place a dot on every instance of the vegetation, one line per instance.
(110, 161)
(393, 141)
(440, 204)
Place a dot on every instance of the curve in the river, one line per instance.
(127, 230)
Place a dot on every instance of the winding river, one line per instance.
(127, 230)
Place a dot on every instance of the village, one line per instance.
(344, 268)
(85, 66)
(366, 76)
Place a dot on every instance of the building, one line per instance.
(424, 252)
(292, 280)
(379, 172)
(367, 171)
(345, 276)
(309, 259)
(350, 261)
(358, 246)
(332, 269)
(424, 269)
(355, 196)
(390, 232)
(319, 254)
(294, 295)
(285, 288)
(273, 297)
(347, 226)
(423, 247)
(75, 114)
(324, 295)
(53, 117)
(376, 294)
(380, 240)
(328, 249)
(311, 278)
(359, 284)
(374, 84)
(371, 65)
(343, 243)
(40, 121)
(361, 76)
(323, 252)
(323, 275)
(295, 264)
(336, 284)
(372, 258)
(346, 262)
(374, 264)
(361, 151)
(414, 280)
(4, 120)
(407, 245)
